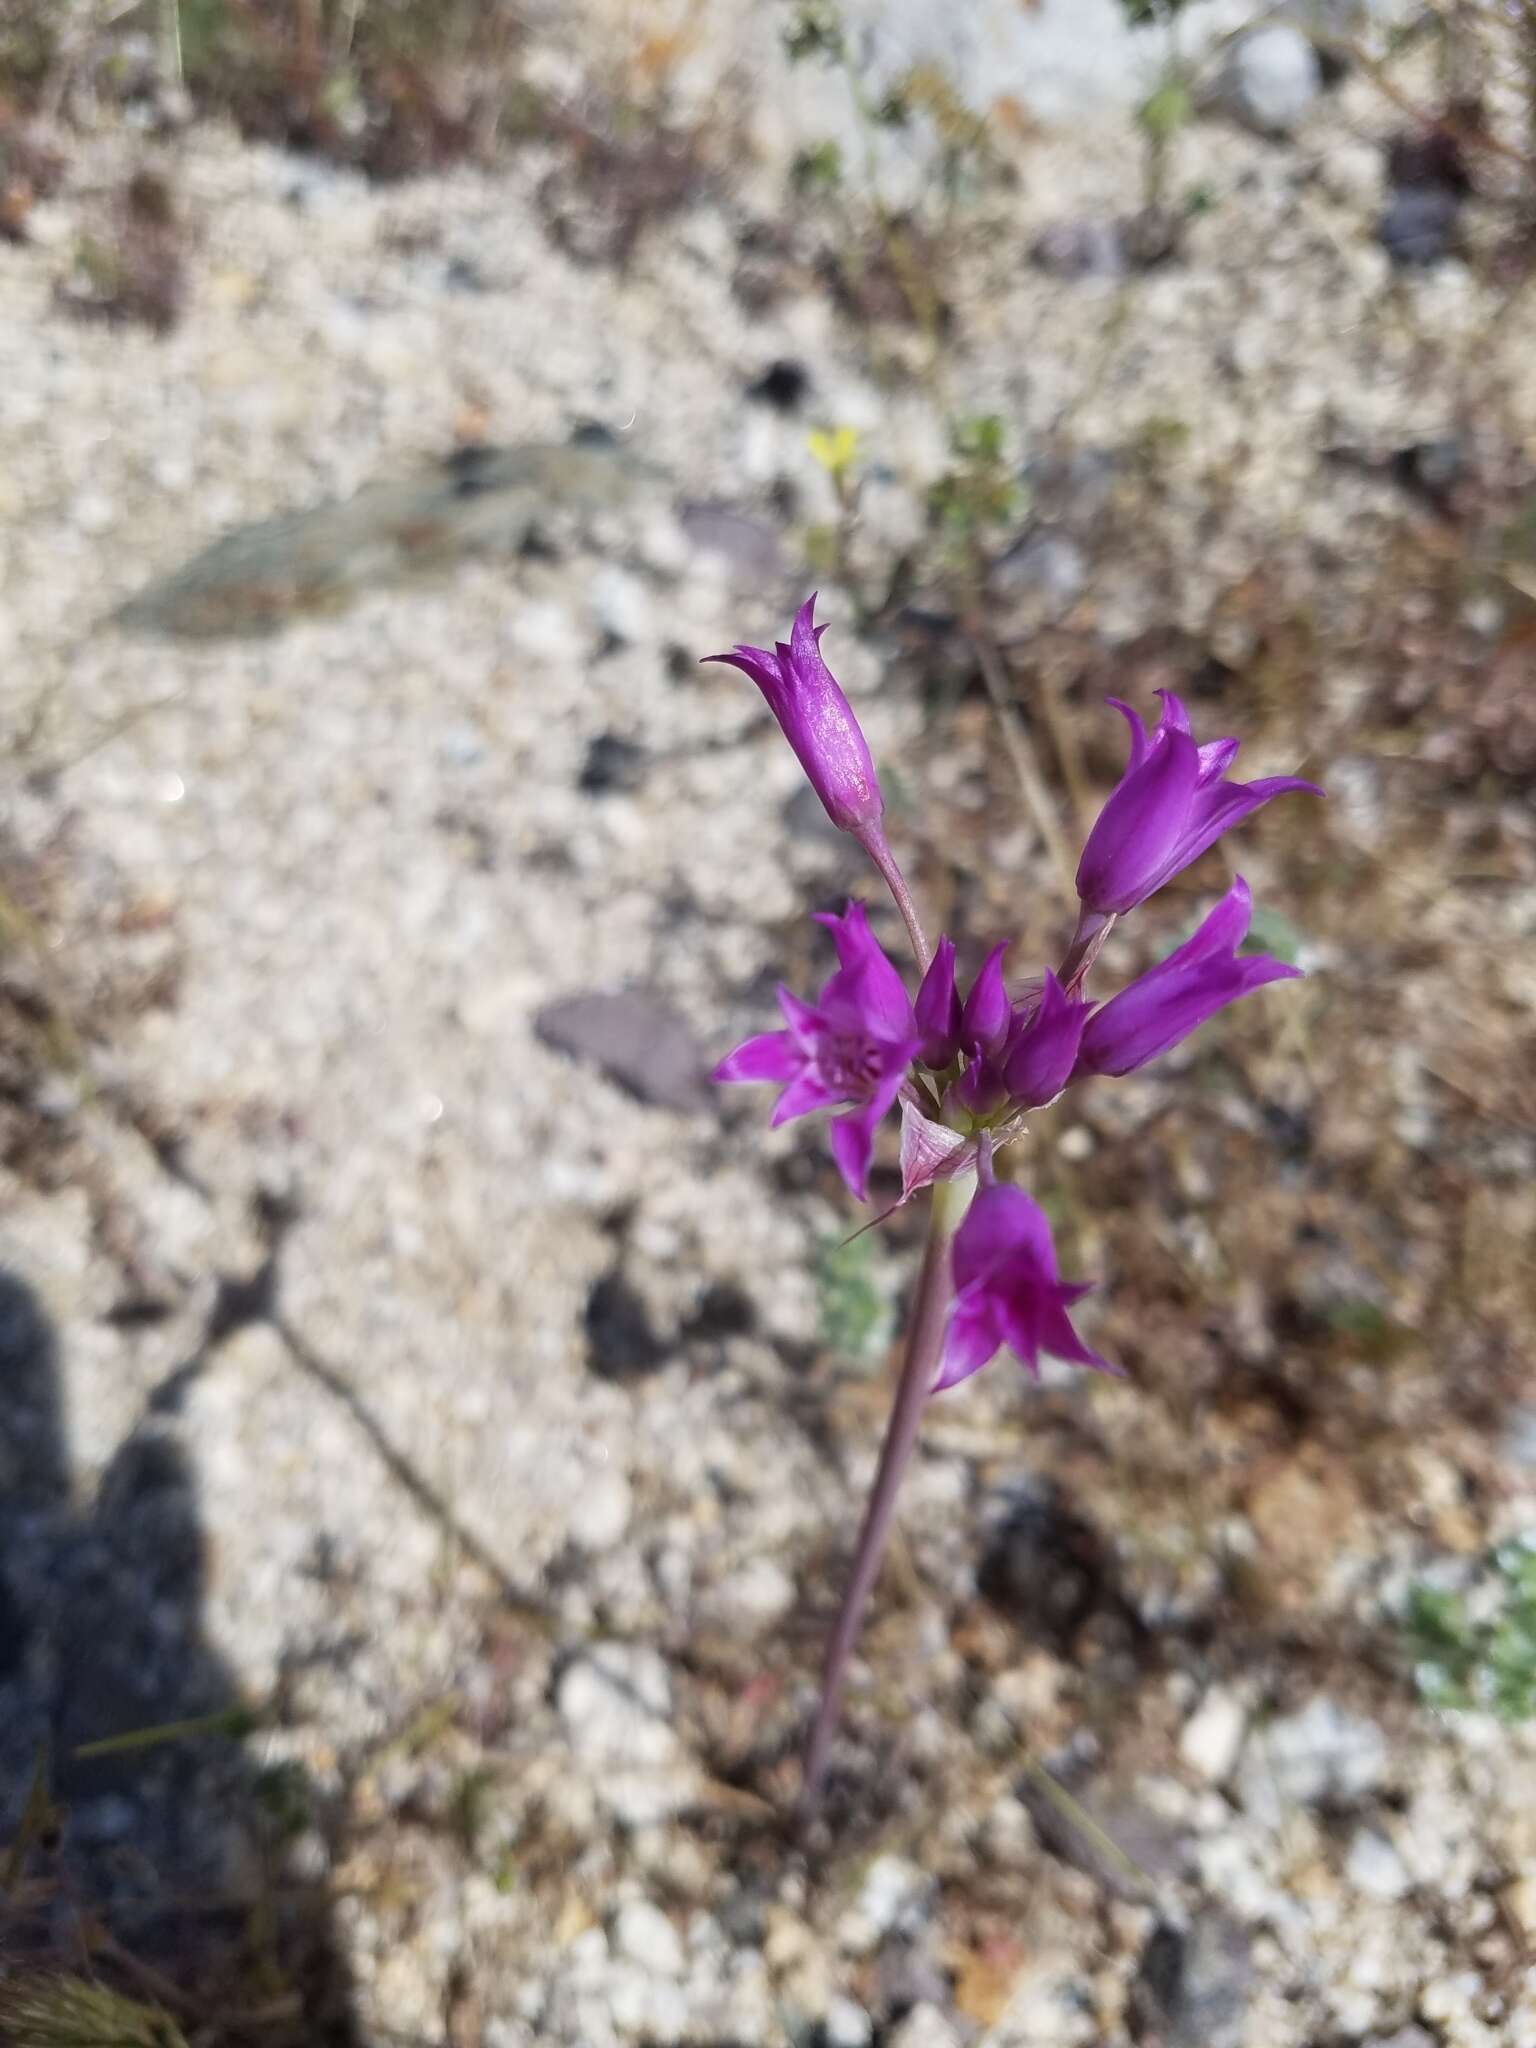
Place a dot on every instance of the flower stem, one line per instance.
(874, 843)
(1093, 928)
(925, 1338)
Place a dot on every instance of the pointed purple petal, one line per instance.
(805, 1022)
(1216, 757)
(877, 990)
(987, 1015)
(1222, 930)
(806, 1093)
(1021, 1312)
(1219, 806)
(765, 670)
(1045, 1051)
(971, 1340)
(1058, 1337)
(805, 635)
(853, 1143)
(938, 1008)
(1140, 744)
(1175, 718)
(772, 1056)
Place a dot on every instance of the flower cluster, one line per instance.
(965, 1071)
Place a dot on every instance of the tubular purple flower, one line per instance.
(1171, 803)
(817, 720)
(1043, 1050)
(854, 1045)
(938, 1008)
(1170, 1000)
(1008, 1290)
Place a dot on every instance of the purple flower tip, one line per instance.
(987, 1016)
(1008, 1290)
(1170, 1000)
(1172, 802)
(938, 1008)
(817, 720)
(1043, 1049)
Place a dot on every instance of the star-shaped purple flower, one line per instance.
(1008, 1290)
(1172, 802)
(853, 1044)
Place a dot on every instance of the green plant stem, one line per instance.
(925, 1338)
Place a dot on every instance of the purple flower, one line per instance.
(1171, 804)
(1043, 1050)
(938, 1008)
(818, 722)
(1171, 999)
(854, 1044)
(1008, 1290)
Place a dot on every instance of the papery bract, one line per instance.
(1008, 1290)
(1170, 1000)
(817, 720)
(931, 1151)
(1171, 803)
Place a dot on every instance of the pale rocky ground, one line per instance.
(351, 862)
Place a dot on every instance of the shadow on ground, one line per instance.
(159, 1869)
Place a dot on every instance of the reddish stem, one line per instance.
(1093, 928)
(925, 1339)
(872, 839)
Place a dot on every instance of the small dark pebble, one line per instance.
(1151, 237)
(621, 1344)
(1046, 1568)
(637, 1039)
(1192, 1989)
(1429, 157)
(1418, 225)
(725, 1310)
(613, 766)
(782, 385)
(1079, 248)
(750, 545)
(1431, 468)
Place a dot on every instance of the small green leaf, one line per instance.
(818, 169)
(1163, 113)
(852, 1310)
(1272, 932)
